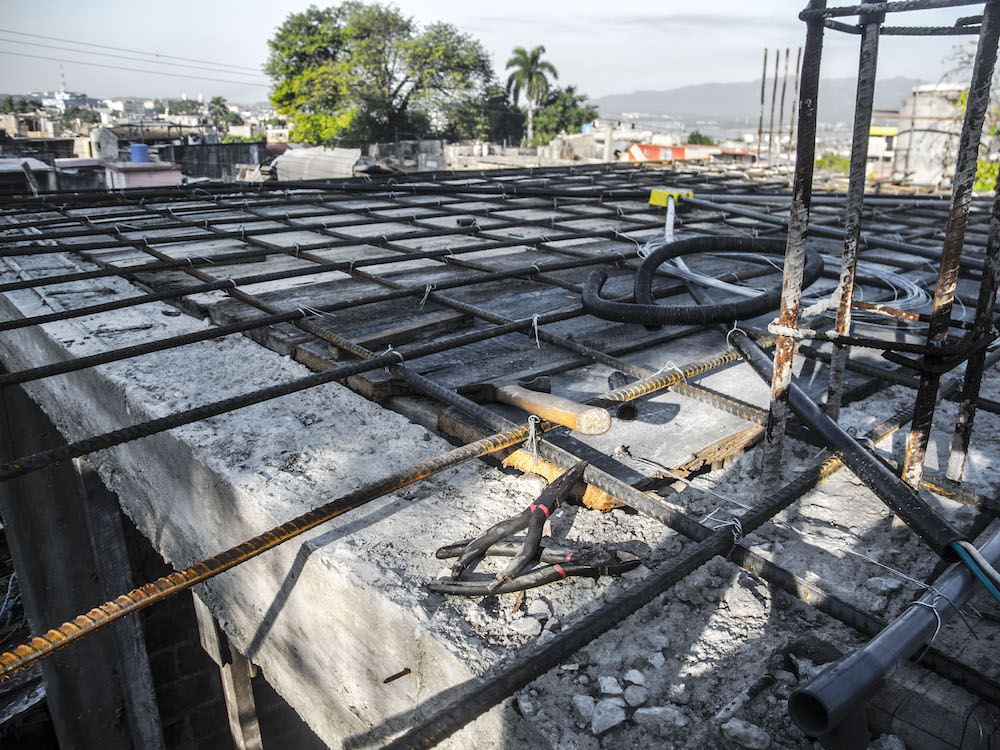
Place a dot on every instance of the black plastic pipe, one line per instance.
(831, 705)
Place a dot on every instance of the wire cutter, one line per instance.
(562, 563)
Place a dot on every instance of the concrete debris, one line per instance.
(883, 585)
(661, 720)
(635, 677)
(636, 695)
(583, 707)
(747, 735)
(526, 626)
(525, 706)
(609, 686)
(607, 714)
(888, 742)
(540, 610)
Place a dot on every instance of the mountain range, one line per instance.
(740, 102)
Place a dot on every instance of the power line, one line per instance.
(131, 70)
(123, 57)
(135, 51)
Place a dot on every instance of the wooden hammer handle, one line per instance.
(589, 420)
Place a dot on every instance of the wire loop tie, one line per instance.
(534, 327)
(937, 628)
(733, 330)
(390, 350)
(427, 293)
(532, 442)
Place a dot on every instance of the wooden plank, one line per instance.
(408, 330)
(236, 673)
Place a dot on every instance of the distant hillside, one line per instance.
(736, 101)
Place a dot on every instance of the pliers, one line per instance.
(533, 519)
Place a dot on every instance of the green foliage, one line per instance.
(699, 139)
(243, 139)
(986, 175)
(220, 114)
(491, 117)
(530, 76)
(358, 73)
(834, 163)
(183, 107)
(274, 122)
(10, 105)
(81, 115)
(562, 110)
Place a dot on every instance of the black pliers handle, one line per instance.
(531, 518)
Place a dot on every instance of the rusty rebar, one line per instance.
(944, 294)
(795, 247)
(864, 101)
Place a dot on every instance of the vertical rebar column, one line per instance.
(974, 369)
(774, 99)
(865, 95)
(954, 238)
(795, 246)
(791, 111)
(781, 107)
(763, 99)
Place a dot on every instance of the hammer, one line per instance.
(534, 397)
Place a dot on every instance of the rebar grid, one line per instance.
(548, 241)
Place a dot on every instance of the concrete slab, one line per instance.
(328, 616)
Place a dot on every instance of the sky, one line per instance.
(651, 44)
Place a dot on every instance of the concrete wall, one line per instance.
(331, 614)
(217, 161)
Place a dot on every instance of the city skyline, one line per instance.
(219, 48)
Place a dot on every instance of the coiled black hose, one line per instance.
(646, 311)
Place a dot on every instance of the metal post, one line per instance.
(781, 107)
(791, 111)
(867, 64)
(763, 98)
(770, 123)
(795, 247)
(974, 369)
(961, 199)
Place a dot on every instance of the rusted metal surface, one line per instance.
(763, 98)
(944, 294)
(774, 99)
(867, 65)
(795, 249)
(974, 368)
(791, 111)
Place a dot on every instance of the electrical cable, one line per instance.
(128, 57)
(130, 70)
(125, 49)
(967, 559)
(988, 570)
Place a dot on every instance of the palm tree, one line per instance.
(218, 111)
(529, 76)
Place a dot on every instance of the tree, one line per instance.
(699, 139)
(563, 110)
(183, 107)
(10, 105)
(490, 117)
(219, 113)
(81, 115)
(359, 73)
(529, 77)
